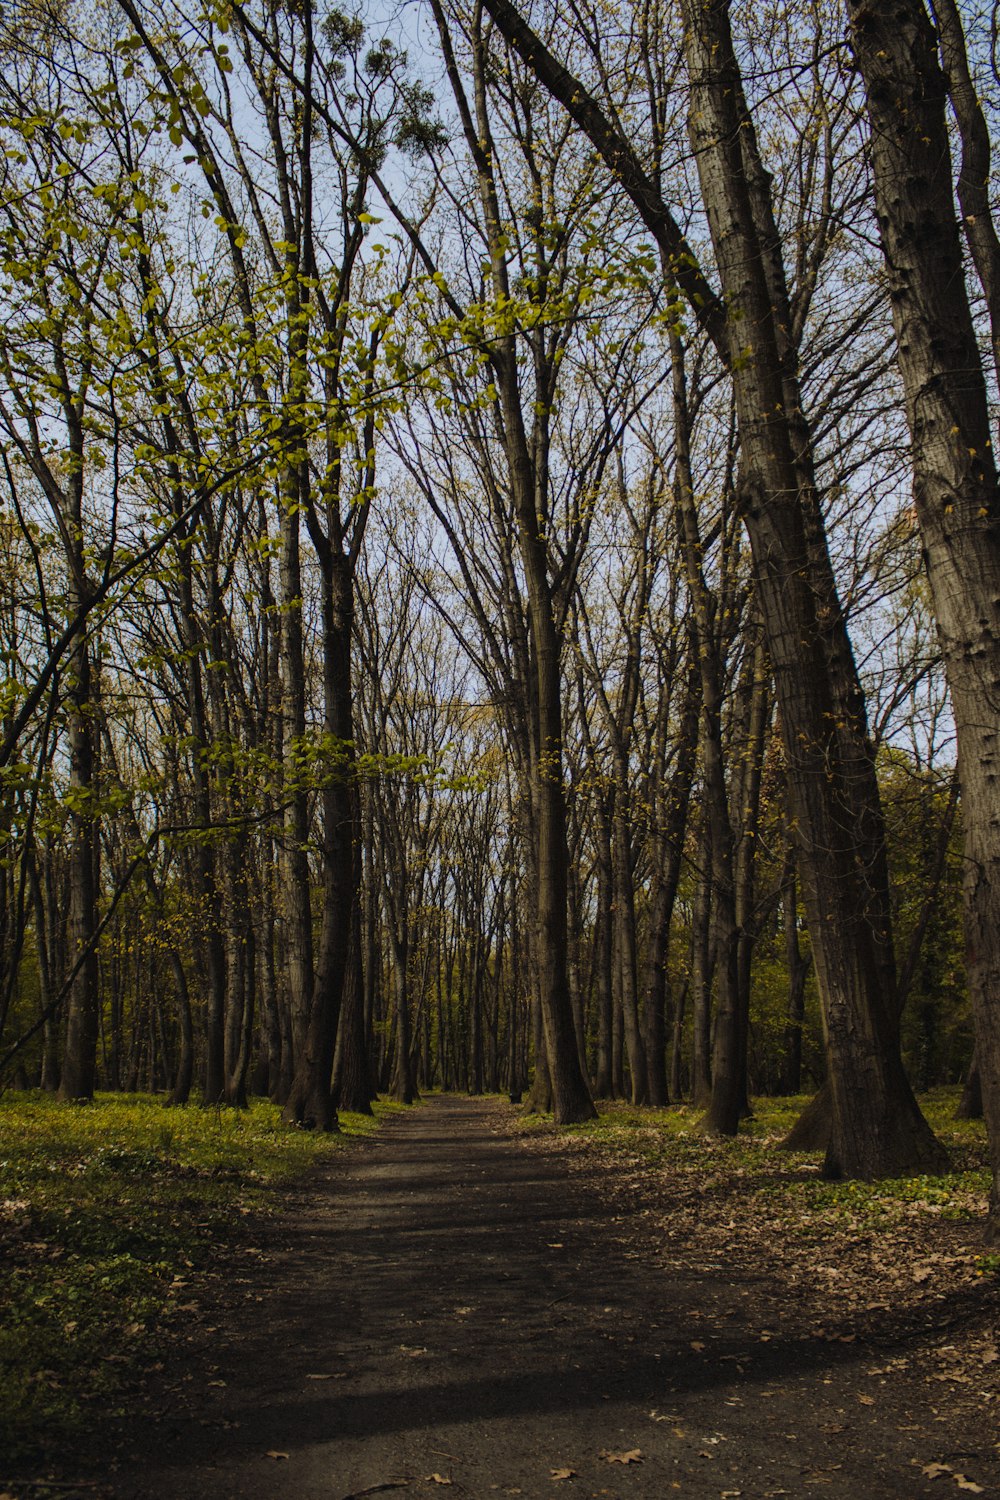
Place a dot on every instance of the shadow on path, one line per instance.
(449, 1303)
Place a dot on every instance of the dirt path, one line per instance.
(451, 1311)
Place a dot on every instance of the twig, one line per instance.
(376, 1489)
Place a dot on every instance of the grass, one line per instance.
(107, 1214)
(790, 1182)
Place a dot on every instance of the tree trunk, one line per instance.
(184, 1073)
(603, 957)
(204, 855)
(956, 492)
(80, 1046)
(668, 858)
(729, 1049)
(677, 1045)
(701, 973)
(797, 966)
(878, 1128)
(353, 1085)
(571, 1101)
(310, 1102)
(621, 853)
(539, 1098)
(970, 1105)
(294, 905)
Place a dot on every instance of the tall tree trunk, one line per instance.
(354, 1088)
(797, 966)
(294, 907)
(540, 1093)
(603, 958)
(236, 924)
(184, 1072)
(49, 1076)
(701, 971)
(668, 858)
(677, 1045)
(80, 1047)
(753, 708)
(956, 492)
(571, 1101)
(402, 1086)
(518, 1034)
(621, 854)
(970, 1105)
(729, 1049)
(877, 1126)
(311, 1099)
(204, 855)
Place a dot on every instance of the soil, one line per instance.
(454, 1308)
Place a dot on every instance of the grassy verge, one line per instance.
(107, 1213)
(788, 1185)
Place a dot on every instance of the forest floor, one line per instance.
(460, 1305)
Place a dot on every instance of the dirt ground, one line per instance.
(454, 1308)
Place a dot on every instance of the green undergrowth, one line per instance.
(789, 1184)
(108, 1214)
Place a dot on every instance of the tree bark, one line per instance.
(80, 1047)
(668, 858)
(310, 1102)
(970, 1105)
(798, 970)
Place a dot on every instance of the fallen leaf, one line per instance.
(867, 1400)
(320, 1377)
(563, 1473)
(437, 1479)
(967, 1484)
(990, 1356)
(633, 1456)
(273, 1453)
(696, 1346)
(934, 1471)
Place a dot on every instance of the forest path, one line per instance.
(450, 1309)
